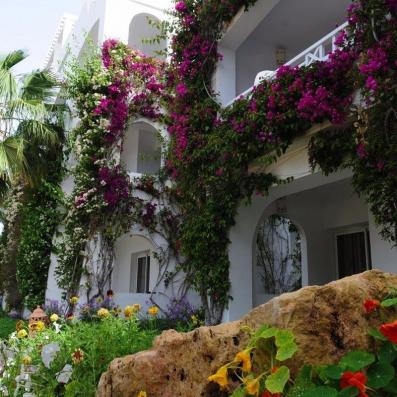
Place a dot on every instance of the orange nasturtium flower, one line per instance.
(244, 357)
(252, 386)
(389, 330)
(220, 377)
(371, 305)
(356, 379)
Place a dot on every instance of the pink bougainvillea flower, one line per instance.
(181, 7)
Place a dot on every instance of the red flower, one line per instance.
(390, 331)
(370, 305)
(267, 393)
(355, 379)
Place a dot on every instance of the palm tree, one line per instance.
(31, 133)
(30, 121)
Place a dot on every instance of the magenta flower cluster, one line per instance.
(114, 184)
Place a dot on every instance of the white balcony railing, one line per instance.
(317, 52)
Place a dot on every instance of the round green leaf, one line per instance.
(333, 372)
(380, 375)
(323, 391)
(356, 360)
(387, 353)
(349, 392)
(276, 382)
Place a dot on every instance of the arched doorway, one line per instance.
(278, 256)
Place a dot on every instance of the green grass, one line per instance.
(7, 325)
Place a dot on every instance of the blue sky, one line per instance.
(31, 25)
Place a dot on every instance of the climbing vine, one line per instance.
(211, 147)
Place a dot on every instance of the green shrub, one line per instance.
(87, 347)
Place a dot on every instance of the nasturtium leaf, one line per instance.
(392, 387)
(375, 333)
(284, 337)
(349, 392)
(240, 392)
(356, 360)
(380, 375)
(286, 351)
(387, 353)
(303, 382)
(332, 372)
(389, 302)
(276, 382)
(267, 333)
(321, 391)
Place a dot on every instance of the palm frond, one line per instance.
(39, 85)
(38, 132)
(8, 84)
(12, 158)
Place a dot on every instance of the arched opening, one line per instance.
(141, 149)
(279, 255)
(136, 268)
(140, 30)
(91, 41)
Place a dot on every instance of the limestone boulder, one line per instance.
(327, 321)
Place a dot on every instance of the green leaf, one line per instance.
(375, 333)
(380, 375)
(392, 387)
(333, 372)
(276, 382)
(389, 302)
(286, 351)
(240, 392)
(323, 391)
(387, 353)
(266, 333)
(303, 382)
(349, 392)
(356, 360)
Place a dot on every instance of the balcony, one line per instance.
(317, 52)
(273, 33)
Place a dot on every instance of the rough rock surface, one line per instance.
(328, 321)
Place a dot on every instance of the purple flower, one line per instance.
(362, 151)
(371, 83)
(181, 89)
(181, 7)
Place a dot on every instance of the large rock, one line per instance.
(328, 321)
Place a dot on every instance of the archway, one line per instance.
(141, 29)
(141, 149)
(278, 256)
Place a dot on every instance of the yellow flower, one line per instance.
(244, 357)
(77, 356)
(128, 311)
(54, 317)
(220, 377)
(137, 307)
(99, 299)
(73, 300)
(27, 360)
(153, 310)
(252, 386)
(142, 394)
(103, 313)
(22, 334)
(37, 326)
(194, 319)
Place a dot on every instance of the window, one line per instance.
(353, 252)
(140, 273)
